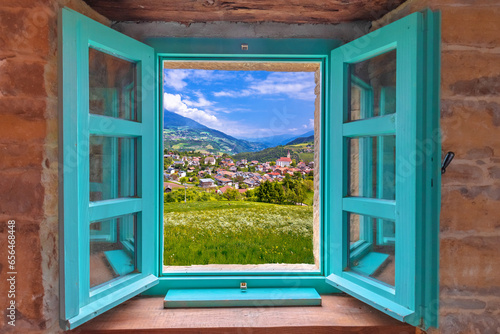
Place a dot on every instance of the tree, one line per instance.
(263, 192)
(183, 179)
(167, 162)
(294, 163)
(278, 193)
(232, 194)
(309, 184)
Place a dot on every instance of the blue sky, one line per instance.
(243, 104)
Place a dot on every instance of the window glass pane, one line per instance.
(373, 87)
(372, 247)
(113, 86)
(113, 171)
(241, 166)
(112, 248)
(372, 167)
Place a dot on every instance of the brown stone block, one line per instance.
(463, 172)
(82, 7)
(462, 303)
(466, 322)
(20, 155)
(26, 30)
(22, 193)
(50, 179)
(24, 3)
(51, 78)
(491, 192)
(29, 278)
(470, 73)
(16, 129)
(471, 25)
(470, 262)
(494, 172)
(27, 108)
(22, 78)
(480, 153)
(460, 212)
(468, 126)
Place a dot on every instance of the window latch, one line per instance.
(446, 161)
(243, 287)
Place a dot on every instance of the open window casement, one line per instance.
(380, 180)
(108, 152)
(383, 197)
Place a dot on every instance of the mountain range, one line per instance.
(185, 134)
(277, 140)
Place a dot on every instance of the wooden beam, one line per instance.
(284, 11)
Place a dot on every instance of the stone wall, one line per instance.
(470, 122)
(470, 109)
(29, 156)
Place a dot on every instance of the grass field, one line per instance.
(237, 233)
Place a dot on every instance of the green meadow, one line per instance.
(237, 232)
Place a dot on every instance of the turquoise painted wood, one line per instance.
(296, 50)
(370, 263)
(415, 209)
(120, 261)
(257, 47)
(386, 305)
(375, 126)
(252, 297)
(224, 282)
(386, 163)
(116, 297)
(114, 208)
(108, 126)
(78, 301)
(382, 208)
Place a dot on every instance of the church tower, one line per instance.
(288, 155)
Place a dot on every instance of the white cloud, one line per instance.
(175, 79)
(202, 101)
(310, 125)
(295, 85)
(174, 103)
(233, 93)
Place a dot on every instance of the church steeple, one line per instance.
(288, 155)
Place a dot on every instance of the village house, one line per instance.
(167, 188)
(284, 161)
(274, 175)
(209, 161)
(222, 181)
(225, 188)
(207, 183)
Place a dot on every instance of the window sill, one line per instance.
(338, 314)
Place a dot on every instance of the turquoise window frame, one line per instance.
(416, 38)
(263, 50)
(80, 302)
(414, 298)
